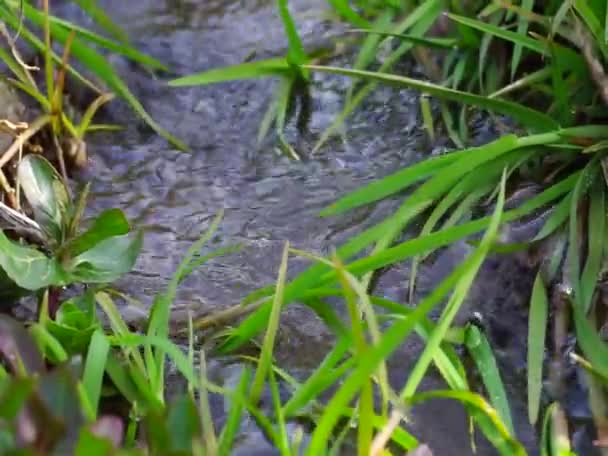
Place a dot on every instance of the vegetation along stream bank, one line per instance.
(317, 227)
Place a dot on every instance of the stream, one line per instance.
(268, 198)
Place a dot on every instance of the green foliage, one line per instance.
(101, 254)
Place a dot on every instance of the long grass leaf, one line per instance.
(391, 339)
(273, 325)
(250, 70)
(96, 63)
(99, 15)
(522, 29)
(493, 427)
(235, 414)
(452, 307)
(531, 118)
(595, 245)
(537, 327)
(94, 368)
(417, 23)
(122, 49)
(255, 323)
(478, 346)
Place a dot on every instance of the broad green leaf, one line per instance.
(108, 260)
(109, 223)
(537, 327)
(46, 193)
(249, 70)
(89, 444)
(28, 267)
(73, 327)
(531, 118)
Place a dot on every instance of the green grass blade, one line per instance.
(100, 67)
(343, 8)
(255, 323)
(460, 277)
(456, 300)
(389, 185)
(122, 49)
(235, 414)
(531, 118)
(481, 352)
(522, 30)
(325, 375)
(99, 15)
(537, 327)
(593, 23)
(250, 70)
(296, 54)
(273, 324)
(574, 60)
(284, 446)
(94, 368)
(437, 43)
(208, 428)
(486, 416)
(595, 245)
(369, 49)
(417, 23)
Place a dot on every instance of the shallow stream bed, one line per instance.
(268, 198)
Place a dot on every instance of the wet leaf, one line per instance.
(29, 268)
(46, 193)
(108, 260)
(107, 224)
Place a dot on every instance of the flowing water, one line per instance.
(268, 198)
